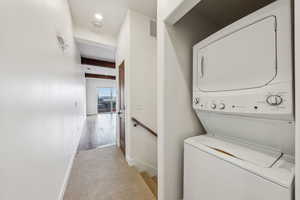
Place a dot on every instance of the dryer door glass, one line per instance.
(243, 59)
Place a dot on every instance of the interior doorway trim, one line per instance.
(122, 111)
(100, 76)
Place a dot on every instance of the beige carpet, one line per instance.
(103, 174)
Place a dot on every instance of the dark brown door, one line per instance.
(121, 112)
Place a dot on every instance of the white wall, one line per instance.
(143, 92)
(42, 99)
(92, 94)
(122, 55)
(140, 89)
(176, 119)
(297, 88)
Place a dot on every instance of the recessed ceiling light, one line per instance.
(98, 17)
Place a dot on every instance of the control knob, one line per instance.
(274, 100)
(222, 106)
(213, 106)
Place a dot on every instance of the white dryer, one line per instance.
(243, 96)
(246, 68)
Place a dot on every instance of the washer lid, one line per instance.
(268, 164)
(260, 157)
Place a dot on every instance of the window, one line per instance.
(107, 100)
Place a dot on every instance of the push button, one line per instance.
(274, 100)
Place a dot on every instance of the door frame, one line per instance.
(297, 94)
(121, 108)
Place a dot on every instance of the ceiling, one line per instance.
(113, 11)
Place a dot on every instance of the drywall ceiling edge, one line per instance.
(182, 9)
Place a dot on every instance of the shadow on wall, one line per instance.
(180, 120)
(183, 49)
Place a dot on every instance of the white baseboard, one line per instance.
(67, 176)
(106, 146)
(129, 161)
(141, 166)
(70, 166)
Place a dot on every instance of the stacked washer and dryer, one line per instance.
(243, 95)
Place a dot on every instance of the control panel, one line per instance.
(274, 102)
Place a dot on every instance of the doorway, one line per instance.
(101, 126)
(121, 113)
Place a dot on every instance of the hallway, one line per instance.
(100, 131)
(103, 174)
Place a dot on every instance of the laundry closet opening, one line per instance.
(204, 105)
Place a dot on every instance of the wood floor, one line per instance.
(103, 174)
(101, 131)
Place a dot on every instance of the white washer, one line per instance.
(217, 169)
